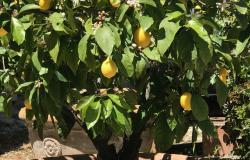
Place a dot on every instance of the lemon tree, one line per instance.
(117, 67)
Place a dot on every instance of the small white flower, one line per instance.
(97, 25)
(133, 3)
(75, 3)
(222, 5)
(63, 14)
(134, 45)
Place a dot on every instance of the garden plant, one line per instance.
(117, 67)
(237, 110)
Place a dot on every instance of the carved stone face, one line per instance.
(52, 147)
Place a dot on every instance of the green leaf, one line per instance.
(204, 53)
(184, 44)
(57, 90)
(120, 12)
(2, 103)
(140, 66)
(71, 18)
(162, 134)
(93, 114)
(148, 2)
(84, 104)
(115, 31)
(27, 21)
(66, 121)
(221, 92)
(181, 128)
(168, 31)
(119, 101)
(127, 62)
(31, 94)
(123, 121)
(119, 117)
(105, 39)
(152, 54)
(17, 31)
(43, 71)
(173, 15)
(108, 108)
(200, 30)
(241, 9)
(226, 56)
(29, 7)
(146, 22)
(82, 48)
(200, 66)
(36, 61)
(60, 77)
(2, 50)
(23, 85)
(207, 127)
(199, 108)
(69, 54)
(53, 44)
(128, 27)
(89, 26)
(57, 19)
(240, 47)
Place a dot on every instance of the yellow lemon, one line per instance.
(115, 3)
(223, 72)
(185, 101)
(27, 104)
(45, 4)
(223, 79)
(197, 7)
(142, 38)
(3, 32)
(223, 75)
(108, 68)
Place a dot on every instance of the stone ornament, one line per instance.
(52, 147)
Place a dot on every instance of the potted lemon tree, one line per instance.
(118, 67)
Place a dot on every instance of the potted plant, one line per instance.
(119, 67)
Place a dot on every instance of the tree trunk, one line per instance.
(131, 146)
(105, 151)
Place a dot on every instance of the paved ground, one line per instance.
(23, 152)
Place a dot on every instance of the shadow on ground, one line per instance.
(13, 132)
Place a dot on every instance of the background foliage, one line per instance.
(237, 110)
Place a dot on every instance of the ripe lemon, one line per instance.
(185, 101)
(223, 75)
(223, 72)
(223, 79)
(27, 104)
(3, 32)
(115, 3)
(45, 4)
(108, 68)
(142, 38)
